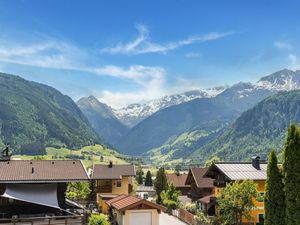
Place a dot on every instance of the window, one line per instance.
(119, 183)
(261, 219)
(261, 196)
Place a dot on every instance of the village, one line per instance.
(34, 192)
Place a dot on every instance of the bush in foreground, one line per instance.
(98, 219)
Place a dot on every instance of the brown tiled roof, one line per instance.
(114, 172)
(109, 202)
(128, 202)
(177, 180)
(28, 171)
(198, 176)
(206, 199)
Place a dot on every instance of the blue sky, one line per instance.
(131, 51)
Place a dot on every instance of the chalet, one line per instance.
(130, 210)
(111, 181)
(227, 172)
(179, 182)
(36, 188)
(200, 186)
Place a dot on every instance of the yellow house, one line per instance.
(130, 210)
(112, 181)
(225, 172)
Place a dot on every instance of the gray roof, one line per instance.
(142, 188)
(243, 171)
(116, 172)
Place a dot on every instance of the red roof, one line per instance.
(122, 203)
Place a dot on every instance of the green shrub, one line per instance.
(98, 219)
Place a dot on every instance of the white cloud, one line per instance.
(283, 45)
(142, 44)
(150, 79)
(295, 64)
(138, 73)
(48, 54)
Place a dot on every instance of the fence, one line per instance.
(185, 216)
(58, 220)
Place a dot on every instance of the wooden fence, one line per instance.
(58, 220)
(185, 216)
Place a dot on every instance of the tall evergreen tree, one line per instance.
(148, 181)
(160, 183)
(274, 195)
(139, 175)
(291, 174)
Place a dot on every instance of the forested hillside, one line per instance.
(257, 130)
(33, 116)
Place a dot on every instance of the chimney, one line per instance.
(110, 165)
(256, 162)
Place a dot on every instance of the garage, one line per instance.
(131, 210)
(140, 218)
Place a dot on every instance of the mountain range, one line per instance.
(135, 113)
(184, 125)
(33, 116)
(230, 122)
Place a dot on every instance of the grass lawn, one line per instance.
(88, 154)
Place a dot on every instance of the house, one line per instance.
(36, 188)
(178, 180)
(200, 186)
(146, 192)
(111, 181)
(131, 210)
(227, 172)
(202, 190)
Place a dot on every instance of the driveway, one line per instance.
(165, 219)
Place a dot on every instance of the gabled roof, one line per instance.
(42, 171)
(177, 179)
(239, 171)
(113, 172)
(197, 174)
(122, 203)
(206, 199)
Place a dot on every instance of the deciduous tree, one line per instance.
(236, 201)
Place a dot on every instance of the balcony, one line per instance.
(219, 183)
(104, 189)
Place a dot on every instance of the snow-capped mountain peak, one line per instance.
(283, 80)
(134, 113)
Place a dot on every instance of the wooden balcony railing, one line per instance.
(104, 189)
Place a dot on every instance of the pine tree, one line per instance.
(160, 183)
(139, 175)
(148, 181)
(291, 174)
(274, 195)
